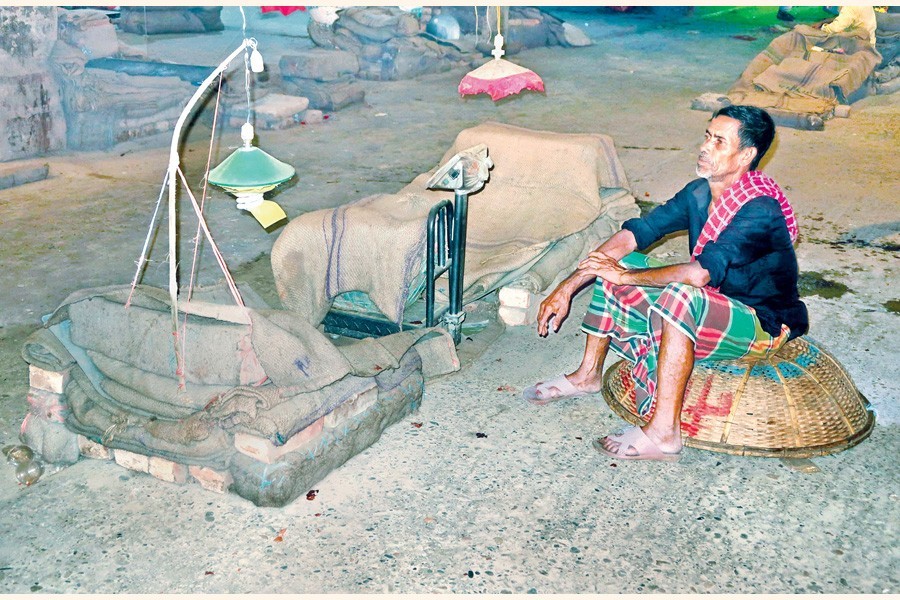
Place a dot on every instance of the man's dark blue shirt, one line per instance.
(753, 261)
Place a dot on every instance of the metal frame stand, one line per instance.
(465, 173)
(445, 253)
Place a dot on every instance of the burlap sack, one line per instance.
(544, 187)
(791, 76)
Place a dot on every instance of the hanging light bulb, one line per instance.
(248, 174)
(499, 77)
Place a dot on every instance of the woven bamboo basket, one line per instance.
(798, 403)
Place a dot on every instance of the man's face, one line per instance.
(721, 157)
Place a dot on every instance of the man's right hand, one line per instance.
(556, 307)
(557, 304)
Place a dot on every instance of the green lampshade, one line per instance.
(249, 168)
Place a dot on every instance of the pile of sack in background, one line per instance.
(391, 43)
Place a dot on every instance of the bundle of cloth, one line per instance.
(550, 195)
(803, 75)
(887, 34)
(263, 372)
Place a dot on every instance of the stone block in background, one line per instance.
(527, 32)
(104, 107)
(407, 58)
(710, 102)
(319, 64)
(376, 23)
(152, 20)
(27, 36)
(419, 57)
(312, 116)
(329, 96)
(13, 175)
(90, 31)
(573, 36)
(31, 117)
(275, 111)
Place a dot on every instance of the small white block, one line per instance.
(515, 297)
(513, 317)
(280, 105)
(312, 116)
(49, 381)
(132, 460)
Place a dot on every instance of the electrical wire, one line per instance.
(194, 262)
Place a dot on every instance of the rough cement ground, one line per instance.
(531, 506)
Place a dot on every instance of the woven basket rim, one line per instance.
(805, 452)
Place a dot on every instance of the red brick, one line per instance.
(132, 460)
(167, 470)
(211, 480)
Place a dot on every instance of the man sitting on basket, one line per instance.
(736, 297)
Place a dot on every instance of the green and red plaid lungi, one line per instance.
(631, 316)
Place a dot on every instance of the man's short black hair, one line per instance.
(757, 128)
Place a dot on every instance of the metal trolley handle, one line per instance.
(465, 173)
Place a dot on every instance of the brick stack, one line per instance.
(307, 446)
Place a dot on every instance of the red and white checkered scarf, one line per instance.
(752, 184)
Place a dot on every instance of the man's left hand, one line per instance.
(605, 267)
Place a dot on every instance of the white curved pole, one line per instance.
(175, 159)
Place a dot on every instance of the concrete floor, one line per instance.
(529, 507)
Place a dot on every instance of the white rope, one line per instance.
(219, 257)
(143, 259)
(246, 62)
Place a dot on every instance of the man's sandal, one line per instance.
(635, 445)
(552, 390)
